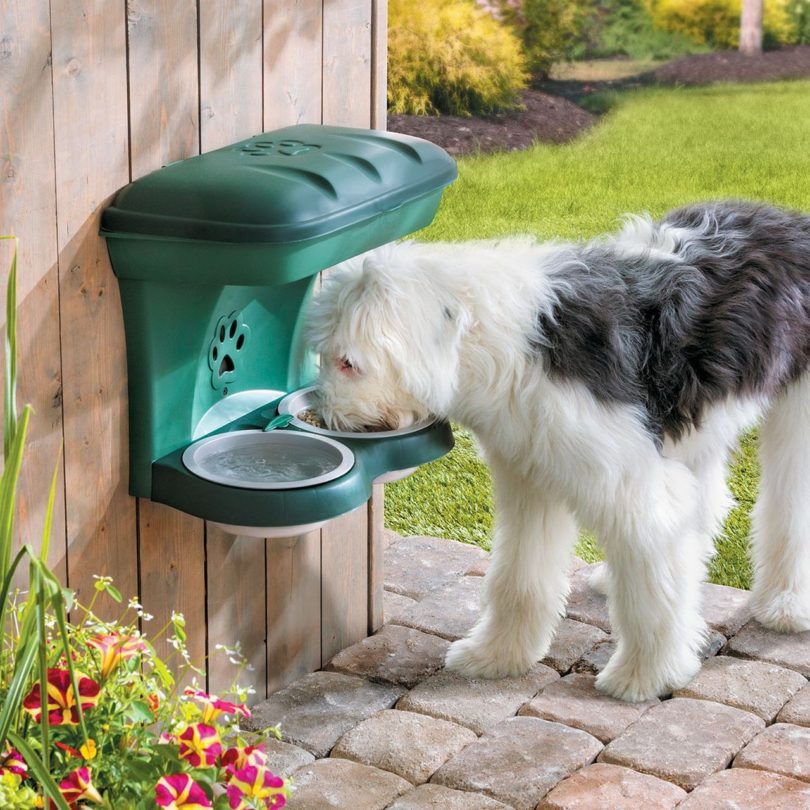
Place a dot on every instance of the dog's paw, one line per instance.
(784, 612)
(598, 579)
(635, 680)
(474, 659)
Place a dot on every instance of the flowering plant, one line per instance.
(90, 715)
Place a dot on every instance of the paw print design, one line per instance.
(290, 148)
(229, 340)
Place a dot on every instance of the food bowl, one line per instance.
(252, 459)
(307, 399)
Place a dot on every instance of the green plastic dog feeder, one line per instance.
(216, 258)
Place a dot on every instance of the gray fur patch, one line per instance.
(728, 315)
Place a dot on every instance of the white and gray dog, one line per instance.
(606, 383)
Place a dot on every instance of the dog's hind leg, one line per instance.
(526, 586)
(781, 520)
(655, 554)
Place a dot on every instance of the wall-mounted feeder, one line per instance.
(216, 257)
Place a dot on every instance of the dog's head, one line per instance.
(388, 335)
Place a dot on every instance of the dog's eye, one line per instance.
(345, 365)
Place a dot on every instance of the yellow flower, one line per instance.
(88, 750)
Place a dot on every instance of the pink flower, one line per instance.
(234, 759)
(179, 790)
(253, 783)
(61, 702)
(12, 762)
(79, 786)
(213, 707)
(200, 745)
(115, 648)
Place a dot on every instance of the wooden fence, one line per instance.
(96, 93)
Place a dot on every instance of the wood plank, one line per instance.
(344, 587)
(293, 32)
(164, 126)
(172, 555)
(28, 210)
(376, 547)
(230, 71)
(347, 63)
(231, 109)
(91, 148)
(379, 64)
(293, 608)
(162, 38)
(236, 608)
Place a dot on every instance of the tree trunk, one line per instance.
(751, 27)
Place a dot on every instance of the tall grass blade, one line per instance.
(10, 389)
(26, 656)
(8, 491)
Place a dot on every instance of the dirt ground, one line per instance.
(552, 114)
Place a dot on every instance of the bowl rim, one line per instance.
(195, 467)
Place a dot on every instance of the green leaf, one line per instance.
(39, 771)
(25, 659)
(114, 592)
(10, 388)
(139, 712)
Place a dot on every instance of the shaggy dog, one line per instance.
(606, 383)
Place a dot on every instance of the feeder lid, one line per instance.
(290, 185)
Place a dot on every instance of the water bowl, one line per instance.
(307, 399)
(252, 459)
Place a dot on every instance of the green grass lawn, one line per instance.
(655, 150)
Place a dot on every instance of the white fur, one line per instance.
(441, 330)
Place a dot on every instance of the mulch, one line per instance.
(551, 113)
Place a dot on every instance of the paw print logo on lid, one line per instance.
(289, 148)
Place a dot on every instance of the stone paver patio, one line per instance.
(387, 728)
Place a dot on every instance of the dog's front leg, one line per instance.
(526, 586)
(655, 556)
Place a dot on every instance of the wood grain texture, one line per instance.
(347, 48)
(379, 64)
(28, 210)
(236, 608)
(230, 71)
(344, 586)
(293, 608)
(163, 87)
(376, 547)
(91, 148)
(162, 36)
(293, 34)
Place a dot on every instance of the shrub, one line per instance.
(717, 22)
(448, 56)
(548, 28)
(625, 28)
(798, 11)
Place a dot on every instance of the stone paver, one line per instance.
(781, 748)
(742, 789)
(438, 797)
(574, 701)
(410, 745)
(519, 761)
(683, 740)
(449, 612)
(594, 660)
(318, 709)
(755, 686)
(797, 710)
(342, 784)
(285, 758)
(415, 566)
(477, 704)
(614, 788)
(791, 650)
(584, 603)
(394, 655)
(725, 609)
(571, 641)
(393, 606)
